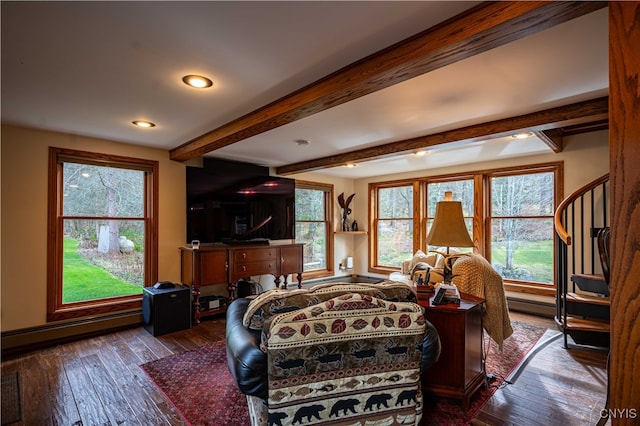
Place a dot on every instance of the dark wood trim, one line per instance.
(624, 145)
(472, 32)
(553, 138)
(553, 118)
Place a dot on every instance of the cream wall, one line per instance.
(24, 216)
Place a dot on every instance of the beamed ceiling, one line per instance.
(419, 75)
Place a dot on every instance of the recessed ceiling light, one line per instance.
(522, 135)
(143, 123)
(421, 153)
(197, 81)
(302, 142)
(351, 165)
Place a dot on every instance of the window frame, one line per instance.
(56, 309)
(557, 169)
(327, 190)
(419, 222)
(481, 217)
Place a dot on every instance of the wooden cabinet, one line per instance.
(203, 267)
(279, 261)
(459, 372)
(291, 263)
(249, 261)
(229, 264)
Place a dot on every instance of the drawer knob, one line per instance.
(244, 268)
(244, 255)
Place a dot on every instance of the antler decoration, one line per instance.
(346, 210)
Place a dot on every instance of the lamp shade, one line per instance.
(448, 228)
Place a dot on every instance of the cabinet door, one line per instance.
(291, 259)
(212, 266)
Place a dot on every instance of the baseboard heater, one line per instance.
(533, 307)
(22, 340)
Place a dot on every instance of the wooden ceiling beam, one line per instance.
(552, 137)
(547, 120)
(475, 31)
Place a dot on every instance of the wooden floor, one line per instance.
(98, 381)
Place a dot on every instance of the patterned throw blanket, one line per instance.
(478, 278)
(353, 359)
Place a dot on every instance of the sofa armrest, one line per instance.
(247, 363)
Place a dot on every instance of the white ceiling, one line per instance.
(90, 68)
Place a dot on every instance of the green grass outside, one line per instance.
(84, 281)
(534, 256)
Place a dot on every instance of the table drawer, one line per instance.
(254, 255)
(248, 269)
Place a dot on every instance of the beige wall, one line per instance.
(24, 216)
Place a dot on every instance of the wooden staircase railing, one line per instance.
(582, 307)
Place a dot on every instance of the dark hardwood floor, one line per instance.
(97, 381)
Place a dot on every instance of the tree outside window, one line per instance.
(313, 227)
(394, 225)
(463, 191)
(522, 208)
(103, 243)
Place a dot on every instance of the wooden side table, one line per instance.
(459, 372)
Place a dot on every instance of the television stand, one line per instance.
(218, 265)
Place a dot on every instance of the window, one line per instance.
(313, 227)
(508, 211)
(522, 208)
(462, 190)
(102, 247)
(393, 225)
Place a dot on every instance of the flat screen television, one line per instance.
(238, 203)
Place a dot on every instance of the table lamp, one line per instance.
(449, 230)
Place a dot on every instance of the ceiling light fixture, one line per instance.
(143, 123)
(351, 165)
(197, 81)
(302, 142)
(522, 135)
(421, 153)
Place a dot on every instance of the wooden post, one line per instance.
(624, 140)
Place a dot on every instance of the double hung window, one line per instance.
(102, 247)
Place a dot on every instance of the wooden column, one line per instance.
(624, 140)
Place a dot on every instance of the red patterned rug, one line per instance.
(200, 387)
(444, 411)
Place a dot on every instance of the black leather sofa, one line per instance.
(248, 363)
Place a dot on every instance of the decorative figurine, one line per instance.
(346, 211)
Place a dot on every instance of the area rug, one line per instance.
(500, 364)
(11, 412)
(200, 387)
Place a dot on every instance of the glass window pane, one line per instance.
(522, 195)
(462, 191)
(395, 242)
(310, 204)
(313, 235)
(395, 202)
(102, 259)
(102, 191)
(522, 249)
